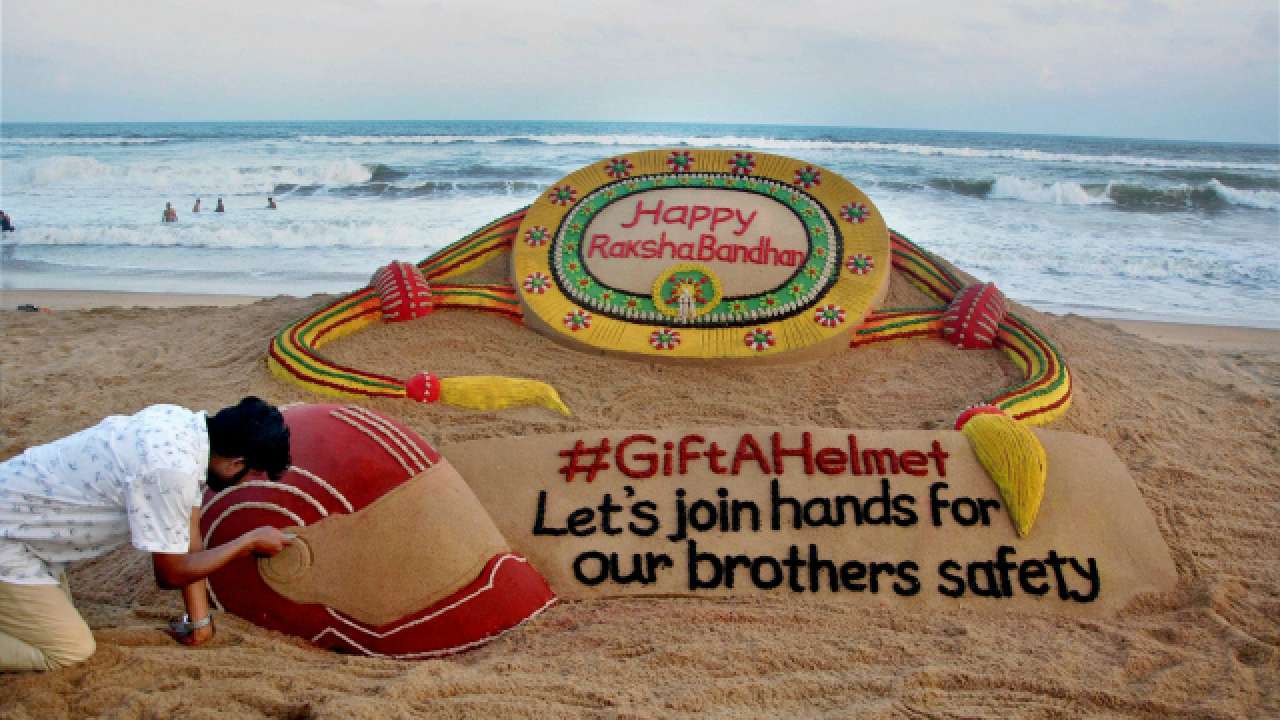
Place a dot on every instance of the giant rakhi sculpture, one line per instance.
(699, 254)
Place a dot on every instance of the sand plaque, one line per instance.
(864, 516)
(701, 253)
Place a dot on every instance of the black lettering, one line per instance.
(696, 559)
(907, 570)
(598, 577)
(539, 528)
(644, 511)
(777, 500)
(904, 512)
(944, 569)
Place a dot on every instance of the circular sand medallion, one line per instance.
(702, 254)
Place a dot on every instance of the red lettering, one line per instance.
(665, 245)
(700, 213)
(854, 468)
(748, 449)
(831, 461)
(879, 457)
(620, 459)
(714, 453)
(598, 242)
(914, 463)
(706, 246)
(641, 211)
(939, 456)
(686, 454)
(722, 214)
(804, 451)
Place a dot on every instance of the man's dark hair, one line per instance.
(255, 430)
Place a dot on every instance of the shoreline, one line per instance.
(1200, 335)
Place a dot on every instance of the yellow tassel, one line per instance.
(1014, 459)
(494, 392)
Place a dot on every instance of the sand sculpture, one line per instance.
(361, 484)
(695, 254)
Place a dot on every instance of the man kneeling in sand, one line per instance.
(137, 478)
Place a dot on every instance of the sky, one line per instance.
(1144, 68)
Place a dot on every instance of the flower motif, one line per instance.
(742, 163)
(759, 339)
(537, 283)
(536, 236)
(664, 339)
(854, 212)
(829, 316)
(576, 320)
(680, 161)
(738, 307)
(808, 176)
(860, 264)
(563, 195)
(619, 168)
(584, 282)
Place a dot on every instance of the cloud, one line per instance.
(980, 65)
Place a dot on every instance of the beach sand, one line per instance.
(1193, 411)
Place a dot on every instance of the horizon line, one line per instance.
(1049, 133)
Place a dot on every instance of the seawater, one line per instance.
(1105, 227)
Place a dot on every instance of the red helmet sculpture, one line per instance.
(394, 556)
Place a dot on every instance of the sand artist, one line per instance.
(136, 479)
(701, 254)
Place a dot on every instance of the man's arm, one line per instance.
(196, 595)
(178, 570)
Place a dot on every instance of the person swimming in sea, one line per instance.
(196, 209)
(271, 203)
(221, 207)
(170, 215)
(6, 222)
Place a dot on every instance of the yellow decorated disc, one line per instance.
(701, 254)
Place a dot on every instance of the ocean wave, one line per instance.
(1056, 193)
(514, 172)
(75, 170)
(1262, 199)
(385, 173)
(434, 187)
(1211, 196)
(85, 140)
(1240, 181)
(769, 143)
(405, 236)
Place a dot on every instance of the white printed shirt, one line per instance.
(130, 478)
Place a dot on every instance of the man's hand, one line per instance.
(267, 540)
(176, 570)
